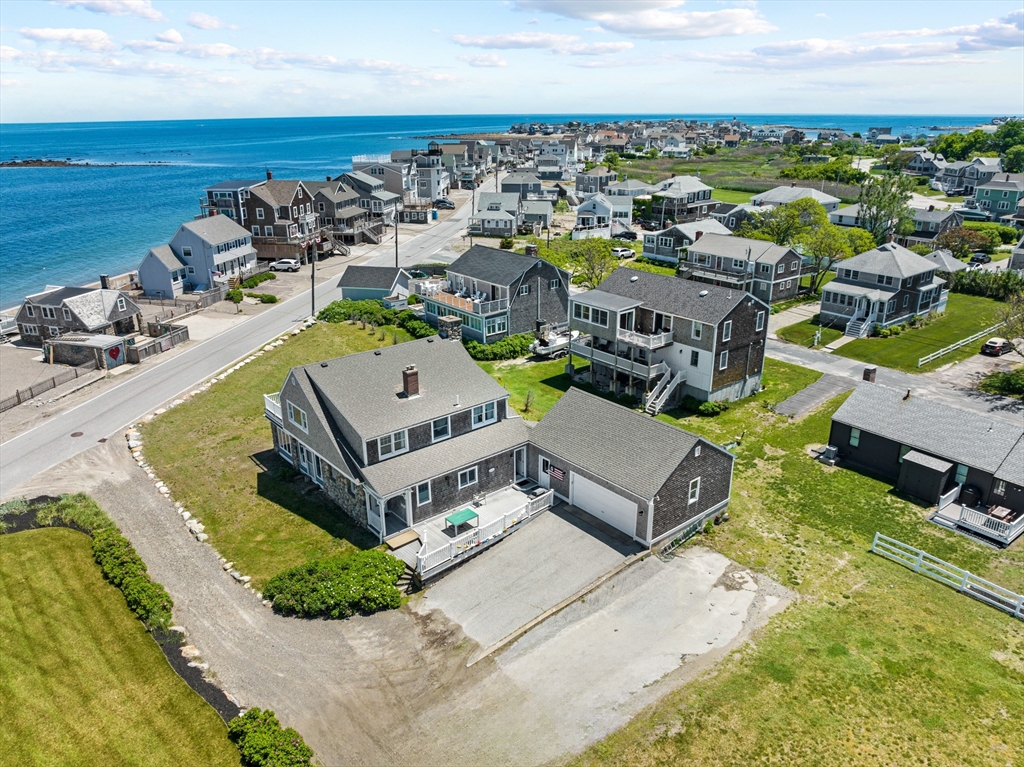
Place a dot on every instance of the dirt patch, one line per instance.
(773, 451)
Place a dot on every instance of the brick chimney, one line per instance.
(931, 208)
(270, 175)
(411, 381)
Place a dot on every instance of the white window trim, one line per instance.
(259, 214)
(468, 482)
(303, 421)
(723, 360)
(448, 429)
(121, 305)
(694, 493)
(29, 310)
(420, 502)
(759, 322)
(524, 290)
(403, 434)
(67, 312)
(696, 329)
(483, 412)
(727, 330)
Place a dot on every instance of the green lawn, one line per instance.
(730, 195)
(257, 513)
(802, 333)
(964, 316)
(81, 682)
(547, 381)
(874, 664)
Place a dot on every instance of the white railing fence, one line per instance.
(948, 498)
(963, 342)
(982, 520)
(462, 544)
(963, 581)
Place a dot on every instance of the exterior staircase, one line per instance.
(660, 395)
(857, 328)
(408, 581)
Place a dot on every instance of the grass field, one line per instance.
(874, 664)
(802, 333)
(547, 381)
(81, 683)
(729, 195)
(256, 513)
(964, 316)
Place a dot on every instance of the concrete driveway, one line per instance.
(534, 569)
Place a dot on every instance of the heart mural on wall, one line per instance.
(114, 353)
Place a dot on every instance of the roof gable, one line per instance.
(674, 295)
(498, 267)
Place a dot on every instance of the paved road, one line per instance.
(819, 392)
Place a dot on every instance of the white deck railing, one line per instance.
(652, 341)
(272, 404)
(462, 545)
(990, 526)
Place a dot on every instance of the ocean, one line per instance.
(66, 226)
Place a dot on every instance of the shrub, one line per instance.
(257, 279)
(1007, 234)
(234, 296)
(369, 311)
(998, 285)
(508, 348)
(413, 325)
(921, 250)
(689, 403)
(264, 298)
(262, 742)
(123, 567)
(78, 510)
(506, 243)
(711, 409)
(412, 300)
(1010, 384)
(337, 587)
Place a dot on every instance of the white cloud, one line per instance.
(994, 34)
(170, 36)
(515, 40)
(142, 8)
(595, 49)
(194, 50)
(83, 39)
(201, 20)
(268, 58)
(821, 15)
(484, 60)
(655, 19)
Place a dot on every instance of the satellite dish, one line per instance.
(702, 293)
(634, 278)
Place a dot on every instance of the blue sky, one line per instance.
(71, 60)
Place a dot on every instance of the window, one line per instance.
(295, 212)
(961, 473)
(727, 330)
(589, 314)
(300, 192)
(694, 490)
(320, 207)
(67, 312)
(186, 252)
(696, 452)
(297, 416)
(759, 323)
(441, 429)
(697, 329)
(256, 231)
(855, 437)
(484, 414)
(664, 242)
(906, 301)
(496, 325)
(694, 358)
(30, 330)
(732, 221)
(723, 360)
(738, 263)
(423, 494)
(54, 331)
(392, 444)
(30, 310)
(268, 231)
(467, 477)
(309, 207)
(904, 449)
(999, 488)
(553, 284)
(120, 306)
(191, 269)
(782, 268)
(259, 214)
(524, 290)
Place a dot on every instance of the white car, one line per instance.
(285, 265)
(623, 252)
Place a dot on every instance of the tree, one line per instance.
(961, 241)
(1013, 315)
(783, 224)
(860, 239)
(611, 159)
(826, 245)
(592, 260)
(1014, 162)
(883, 205)
(1007, 135)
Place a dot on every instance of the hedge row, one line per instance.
(374, 312)
(1006, 235)
(264, 298)
(123, 567)
(257, 279)
(262, 742)
(234, 296)
(999, 285)
(508, 348)
(338, 586)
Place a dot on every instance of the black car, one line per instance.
(627, 235)
(981, 258)
(996, 347)
(444, 204)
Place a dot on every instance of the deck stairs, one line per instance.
(659, 396)
(408, 582)
(857, 328)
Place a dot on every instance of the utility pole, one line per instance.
(472, 213)
(396, 235)
(312, 279)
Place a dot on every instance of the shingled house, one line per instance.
(58, 311)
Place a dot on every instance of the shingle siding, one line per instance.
(445, 494)
(542, 302)
(671, 505)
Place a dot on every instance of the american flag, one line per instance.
(557, 473)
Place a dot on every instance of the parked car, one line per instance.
(627, 235)
(996, 347)
(285, 265)
(981, 258)
(623, 252)
(444, 204)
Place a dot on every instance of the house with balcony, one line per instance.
(967, 464)
(202, 254)
(493, 293)
(56, 312)
(373, 197)
(668, 244)
(682, 198)
(884, 286)
(658, 339)
(433, 180)
(925, 163)
(228, 199)
(595, 180)
(963, 177)
(498, 214)
(399, 176)
(782, 195)
(628, 187)
(930, 223)
(601, 216)
(766, 270)
(281, 220)
(418, 445)
(339, 215)
(526, 185)
(1000, 196)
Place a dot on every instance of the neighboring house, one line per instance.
(940, 454)
(228, 199)
(399, 176)
(598, 215)
(538, 213)
(59, 311)
(201, 254)
(433, 179)
(1017, 257)
(732, 215)
(372, 195)
(338, 212)
(280, 218)
(963, 177)
(682, 198)
(659, 338)
(630, 187)
(925, 163)
(498, 214)
(793, 136)
(523, 184)
(945, 263)
(768, 271)
(848, 215)
(595, 180)
(781, 195)
(359, 283)
(495, 293)
(667, 244)
(884, 286)
(929, 224)
(671, 479)
(731, 140)
(1000, 195)
(1015, 219)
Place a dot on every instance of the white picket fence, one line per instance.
(963, 581)
(962, 342)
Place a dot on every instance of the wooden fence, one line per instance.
(177, 334)
(966, 583)
(24, 395)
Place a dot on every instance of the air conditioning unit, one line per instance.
(830, 452)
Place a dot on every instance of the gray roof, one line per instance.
(729, 246)
(928, 461)
(630, 183)
(444, 457)
(958, 435)
(944, 261)
(520, 178)
(674, 295)
(382, 277)
(682, 184)
(1010, 181)
(922, 214)
(538, 207)
(54, 296)
(891, 260)
(233, 185)
(498, 267)
(167, 257)
(509, 201)
(1012, 468)
(216, 229)
(633, 451)
(874, 292)
(780, 195)
(95, 307)
(696, 229)
(605, 300)
(365, 388)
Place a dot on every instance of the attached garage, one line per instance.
(605, 504)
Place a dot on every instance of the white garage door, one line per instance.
(606, 505)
